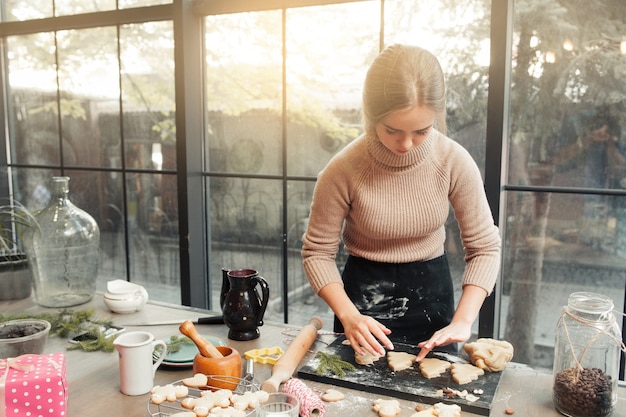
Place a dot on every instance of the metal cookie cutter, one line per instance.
(264, 355)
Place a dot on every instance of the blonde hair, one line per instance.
(400, 78)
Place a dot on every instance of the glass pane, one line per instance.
(68, 7)
(153, 234)
(32, 186)
(245, 225)
(303, 302)
(113, 247)
(324, 83)
(549, 255)
(243, 72)
(18, 10)
(147, 54)
(567, 118)
(33, 112)
(569, 94)
(89, 86)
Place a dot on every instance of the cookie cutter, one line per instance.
(264, 355)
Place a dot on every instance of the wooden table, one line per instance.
(94, 377)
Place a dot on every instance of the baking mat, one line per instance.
(408, 384)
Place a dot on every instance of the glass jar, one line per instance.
(63, 251)
(586, 357)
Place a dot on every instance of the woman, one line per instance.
(388, 194)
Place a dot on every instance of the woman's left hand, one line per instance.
(452, 333)
(460, 328)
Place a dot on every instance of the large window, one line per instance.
(97, 104)
(193, 132)
(565, 208)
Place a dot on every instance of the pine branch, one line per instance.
(332, 363)
(67, 322)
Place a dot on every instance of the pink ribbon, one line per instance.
(13, 363)
(7, 364)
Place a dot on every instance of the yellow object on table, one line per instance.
(264, 355)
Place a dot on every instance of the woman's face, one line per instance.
(403, 130)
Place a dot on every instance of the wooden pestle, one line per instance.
(205, 347)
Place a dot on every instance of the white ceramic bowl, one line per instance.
(20, 337)
(124, 303)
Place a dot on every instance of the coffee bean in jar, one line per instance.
(586, 392)
(586, 357)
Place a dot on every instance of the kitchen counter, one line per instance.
(94, 377)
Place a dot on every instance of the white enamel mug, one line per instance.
(136, 367)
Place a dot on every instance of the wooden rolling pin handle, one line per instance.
(285, 366)
(205, 347)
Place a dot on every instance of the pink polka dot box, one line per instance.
(33, 386)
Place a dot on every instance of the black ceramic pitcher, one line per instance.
(243, 305)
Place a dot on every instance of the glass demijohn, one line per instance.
(586, 357)
(63, 251)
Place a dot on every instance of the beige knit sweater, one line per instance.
(392, 208)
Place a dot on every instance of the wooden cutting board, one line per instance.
(408, 384)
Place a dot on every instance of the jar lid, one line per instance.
(589, 302)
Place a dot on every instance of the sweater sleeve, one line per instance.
(480, 236)
(320, 243)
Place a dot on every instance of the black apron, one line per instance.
(412, 299)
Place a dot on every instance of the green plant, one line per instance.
(14, 219)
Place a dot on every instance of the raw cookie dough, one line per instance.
(332, 395)
(433, 367)
(462, 373)
(440, 410)
(387, 408)
(399, 361)
(366, 358)
(489, 354)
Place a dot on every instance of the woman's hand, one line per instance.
(452, 333)
(365, 332)
(362, 331)
(460, 328)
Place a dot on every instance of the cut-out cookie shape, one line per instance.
(440, 410)
(387, 408)
(489, 354)
(433, 367)
(207, 401)
(399, 361)
(159, 394)
(332, 395)
(366, 358)
(462, 373)
(201, 406)
(226, 412)
(447, 410)
(249, 399)
(196, 381)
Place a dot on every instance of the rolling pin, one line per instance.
(205, 347)
(285, 366)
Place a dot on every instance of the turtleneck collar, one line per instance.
(394, 162)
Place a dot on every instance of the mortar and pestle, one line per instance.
(221, 364)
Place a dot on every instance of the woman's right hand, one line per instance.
(367, 333)
(362, 331)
